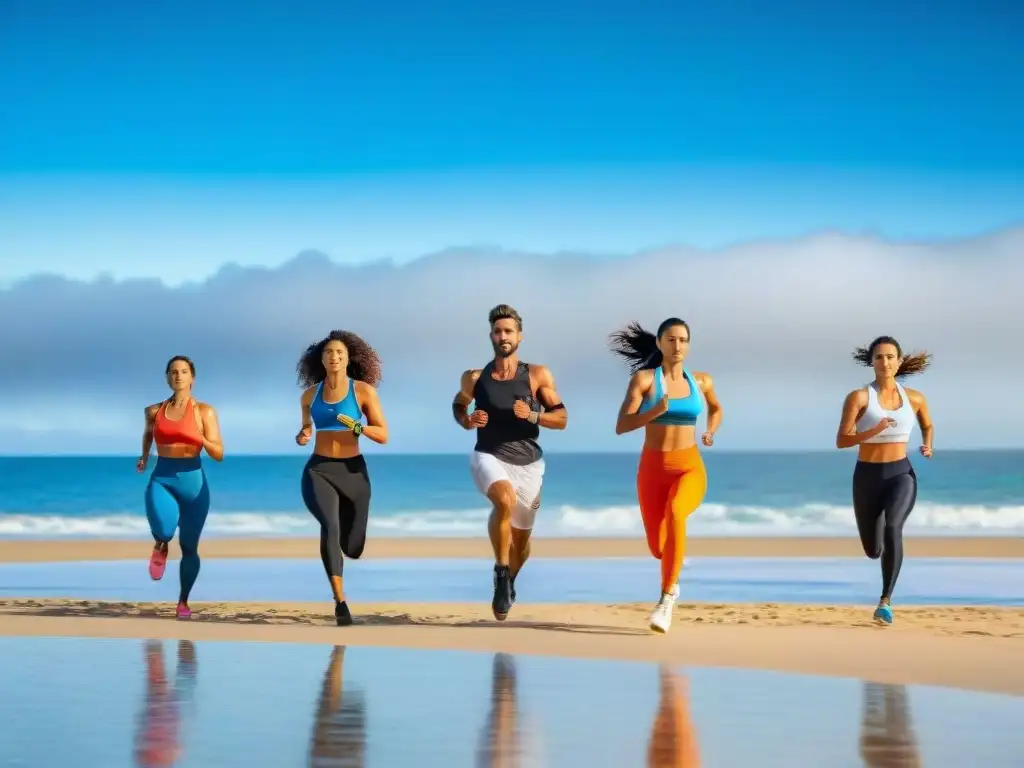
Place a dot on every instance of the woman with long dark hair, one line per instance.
(178, 496)
(340, 373)
(878, 418)
(665, 399)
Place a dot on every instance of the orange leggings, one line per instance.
(669, 485)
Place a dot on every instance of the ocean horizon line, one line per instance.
(420, 454)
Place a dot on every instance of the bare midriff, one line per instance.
(336, 445)
(881, 453)
(669, 437)
(178, 451)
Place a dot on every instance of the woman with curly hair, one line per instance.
(340, 373)
(879, 418)
(665, 399)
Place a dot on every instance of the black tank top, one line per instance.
(506, 436)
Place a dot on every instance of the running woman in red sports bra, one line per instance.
(178, 497)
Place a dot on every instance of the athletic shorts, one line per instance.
(526, 480)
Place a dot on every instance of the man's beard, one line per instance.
(500, 351)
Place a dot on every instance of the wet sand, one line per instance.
(960, 647)
(963, 647)
(69, 550)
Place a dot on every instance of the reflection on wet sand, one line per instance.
(339, 726)
(673, 741)
(887, 738)
(339, 740)
(502, 743)
(505, 743)
(158, 738)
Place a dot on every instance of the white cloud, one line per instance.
(774, 322)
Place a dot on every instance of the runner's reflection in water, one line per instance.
(339, 728)
(158, 738)
(887, 738)
(673, 741)
(506, 739)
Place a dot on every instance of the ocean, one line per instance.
(759, 494)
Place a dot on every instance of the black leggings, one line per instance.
(883, 498)
(337, 493)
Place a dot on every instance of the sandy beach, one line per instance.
(965, 647)
(70, 550)
(969, 648)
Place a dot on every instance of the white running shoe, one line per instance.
(661, 617)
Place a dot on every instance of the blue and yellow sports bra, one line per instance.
(682, 411)
(325, 415)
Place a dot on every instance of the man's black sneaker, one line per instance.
(502, 602)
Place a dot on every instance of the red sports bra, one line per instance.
(167, 431)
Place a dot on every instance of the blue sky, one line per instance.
(164, 142)
(329, 87)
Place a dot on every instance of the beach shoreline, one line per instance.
(966, 648)
(85, 550)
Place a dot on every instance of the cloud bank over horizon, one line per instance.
(773, 321)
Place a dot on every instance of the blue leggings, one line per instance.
(178, 497)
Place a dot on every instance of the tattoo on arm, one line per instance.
(460, 405)
(459, 409)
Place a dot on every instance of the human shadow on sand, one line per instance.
(220, 613)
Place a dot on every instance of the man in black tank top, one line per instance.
(513, 400)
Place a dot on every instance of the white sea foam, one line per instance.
(710, 519)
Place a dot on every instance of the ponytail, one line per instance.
(639, 347)
(914, 363)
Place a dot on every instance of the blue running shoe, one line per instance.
(883, 614)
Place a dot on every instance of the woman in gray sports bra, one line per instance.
(878, 418)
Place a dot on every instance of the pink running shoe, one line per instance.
(157, 563)
(183, 612)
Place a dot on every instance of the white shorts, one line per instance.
(526, 481)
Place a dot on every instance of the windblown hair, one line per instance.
(183, 359)
(639, 347)
(504, 312)
(915, 362)
(363, 362)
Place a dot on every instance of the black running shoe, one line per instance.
(342, 615)
(512, 589)
(502, 602)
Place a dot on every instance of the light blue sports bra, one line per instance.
(325, 415)
(682, 411)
